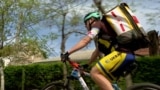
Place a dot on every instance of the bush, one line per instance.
(148, 70)
(33, 76)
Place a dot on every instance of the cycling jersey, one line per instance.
(93, 32)
(100, 30)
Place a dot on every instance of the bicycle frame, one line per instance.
(77, 73)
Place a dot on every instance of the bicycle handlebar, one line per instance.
(73, 64)
(78, 66)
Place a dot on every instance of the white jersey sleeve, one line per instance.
(93, 33)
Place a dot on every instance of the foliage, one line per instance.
(18, 23)
(6, 51)
(22, 20)
(36, 75)
(148, 70)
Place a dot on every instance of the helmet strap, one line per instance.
(91, 24)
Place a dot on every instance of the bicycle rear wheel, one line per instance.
(55, 86)
(144, 86)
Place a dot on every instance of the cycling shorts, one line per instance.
(112, 65)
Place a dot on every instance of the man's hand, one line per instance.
(85, 66)
(64, 56)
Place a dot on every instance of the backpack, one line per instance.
(130, 33)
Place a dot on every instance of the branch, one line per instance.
(74, 31)
(99, 6)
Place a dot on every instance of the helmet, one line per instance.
(96, 15)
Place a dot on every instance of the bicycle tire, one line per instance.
(59, 85)
(144, 86)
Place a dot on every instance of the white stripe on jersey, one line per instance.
(93, 33)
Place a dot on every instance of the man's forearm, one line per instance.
(82, 43)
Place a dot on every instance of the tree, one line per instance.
(2, 73)
(25, 10)
(5, 19)
(67, 20)
(3, 14)
(18, 21)
(154, 45)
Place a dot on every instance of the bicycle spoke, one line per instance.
(54, 86)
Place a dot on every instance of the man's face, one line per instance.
(88, 24)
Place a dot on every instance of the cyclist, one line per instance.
(116, 56)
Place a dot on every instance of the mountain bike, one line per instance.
(77, 73)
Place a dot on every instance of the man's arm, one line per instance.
(82, 43)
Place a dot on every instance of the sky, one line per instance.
(141, 8)
(144, 7)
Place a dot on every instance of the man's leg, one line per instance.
(100, 79)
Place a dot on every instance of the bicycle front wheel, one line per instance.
(144, 86)
(55, 86)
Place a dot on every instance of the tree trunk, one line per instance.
(63, 45)
(2, 74)
(154, 45)
(2, 36)
(18, 32)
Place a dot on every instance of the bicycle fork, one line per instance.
(76, 73)
(83, 83)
